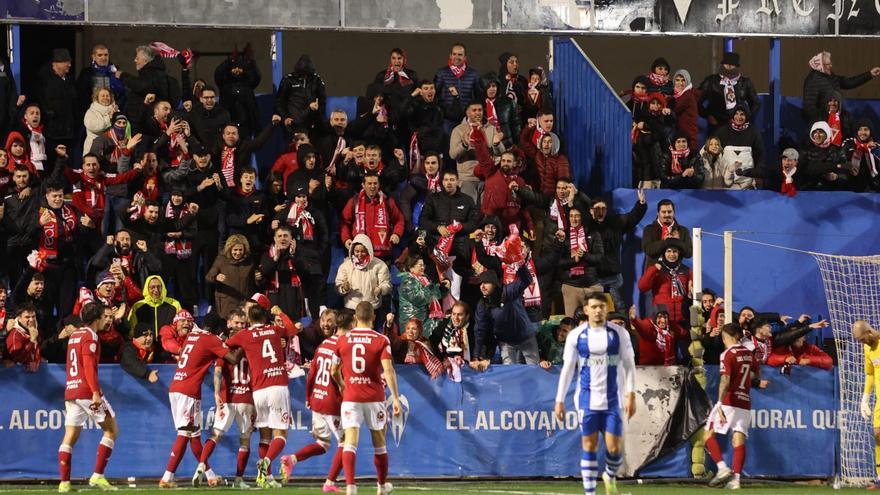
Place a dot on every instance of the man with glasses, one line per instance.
(209, 118)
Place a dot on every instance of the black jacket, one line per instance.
(8, 98)
(815, 162)
(131, 363)
(237, 92)
(208, 125)
(144, 264)
(151, 78)
(670, 180)
(712, 103)
(442, 208)
(207, 199)
(239, 208)
(818, 85)
(426, 119)
(298, 90)
(309, 252)
(58, 103)
(612, 230)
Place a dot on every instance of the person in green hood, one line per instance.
(156, 308)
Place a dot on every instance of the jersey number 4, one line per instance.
(269, 352)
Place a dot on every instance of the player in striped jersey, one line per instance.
(602, 355)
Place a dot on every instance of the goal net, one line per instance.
(852, 288)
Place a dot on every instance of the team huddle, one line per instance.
(345, 388)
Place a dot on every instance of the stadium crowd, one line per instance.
(450, 196)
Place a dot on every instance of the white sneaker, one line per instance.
(720, 479)
(385, 489)
(197, 476)
(733, 484)
(351, 489)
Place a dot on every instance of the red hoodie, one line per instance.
(26, 159)
(818, 358)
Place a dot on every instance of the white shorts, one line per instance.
(185, 410)
(80, 410)
(326, 425)
(737, 420)
(236, 412)
(355, 413)
(273, 407)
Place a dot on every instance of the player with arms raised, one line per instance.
(265, 354)
(602, 354)
(323, 398)
(362, 355)
(733, 410)
(865, 334)
(83, 398)
(199, 351)
(235, 403)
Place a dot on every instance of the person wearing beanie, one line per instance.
(685, 106)
(658, 78)
(237, 78)
(137, 353)
(822, 81)
(58, 99)
(682, 166)
(721, 93)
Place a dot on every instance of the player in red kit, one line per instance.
(323, 398)
(198, 353)
(83, 399)
(733, 410)
(362, 355)
(235, 404)
(265, 354)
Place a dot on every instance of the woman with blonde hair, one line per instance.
(233, 274)
(99, 116)
(713, 168)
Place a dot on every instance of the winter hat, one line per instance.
(60, 55)
(490, 277)
(672, 242)
(686, 75)
(119, 116)
(730, 58)
(182, 315)
(106, 278)
(790, 153)
(199, 149)
(262, 300)
(659, 97)
(298, 189)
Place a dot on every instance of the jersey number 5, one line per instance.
(358, 363)
(184, 355)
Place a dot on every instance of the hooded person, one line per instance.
(864, 157)
(823, 163)
(685, 106)
(500, 110)
(156, 308)
(682, 166)
(237, 78)
(398, 78)
(18, 153)
(742, 149)
(362, 276)
(669, 280)
(839, 119)
(659, 79)
(513, 84)
(299, 93)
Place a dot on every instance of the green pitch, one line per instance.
(476, 488)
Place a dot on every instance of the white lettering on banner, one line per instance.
(840, 5)
(794, 419)
(800, 8)
(41, 419)
(727, 7)
(766, 9)
(512, 420)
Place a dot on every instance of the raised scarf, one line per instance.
(559, 214)
(491, 114)
(340, 145)
(54, 231)
(179, 248)
(665, 343)
(532, 294)
(817, 63)
(417, 352)
(299, 217)
(378, 231)
(415, 154)
(227, 165)
(677, 157)
(863, 150)
(577, 240)
(537, 135)
(834, 124)
(456, 70)
(444, 244)
(435, 310)
(274, 282)
(728, 85)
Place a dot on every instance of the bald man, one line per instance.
(865, 334)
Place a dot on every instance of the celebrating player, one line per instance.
(198, 353)
(733, 410)
(265, 354)
(83, 398)
(603, 356)
(865, 334)
(323, 398)
(235, 403)
(363, 354)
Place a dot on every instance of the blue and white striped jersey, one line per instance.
(605, 362)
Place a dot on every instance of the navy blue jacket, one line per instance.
(504, 321)
(468, 86)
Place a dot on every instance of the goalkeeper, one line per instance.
(865, 334)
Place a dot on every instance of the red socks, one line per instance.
(335, 466)
(195, 446)
(241, 460)
(105, 448)
(380, 460)
(739, 458)
(64, 456)
(275, 447)
(714, 449)
(177, 451)
(349, 456)
(309, 450)
(207, 450)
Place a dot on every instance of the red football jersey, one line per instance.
(83, 354)
(236, 386)
(321, 391)
(265, 354)
(737, 362)
(361, 352)
(200, 349)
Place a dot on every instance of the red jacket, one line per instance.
(89, 196)
(818, 357)
(686, 117)
(550, 168)
(172, 342)
(286, 164)
(649, 353)
(21, 350)
(395, 223)
(660, 285)
(497, 197)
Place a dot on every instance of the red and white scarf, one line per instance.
(433, 183)
(577, 240)
(456, 70)
(415, 154)
(834, 124)
(435, 310)
(788, 186)
(402, 76)
(37, 146)
(665, 229)
(340, 145)
(379, 228)
(299, 217)
(665, 342)
(739, 127)
(180, 248)
(419, 353)
(227, 165)
(510, 89)
(559, 214)
(863, 150)
(537, 135)
(274, 283)
(93, 191)
(657, 79)
(491, 114)
(444, 244)
(54, 231)
(676, 93)
(532, 294)
(361, 263)
(677, 157)
(729, 85)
